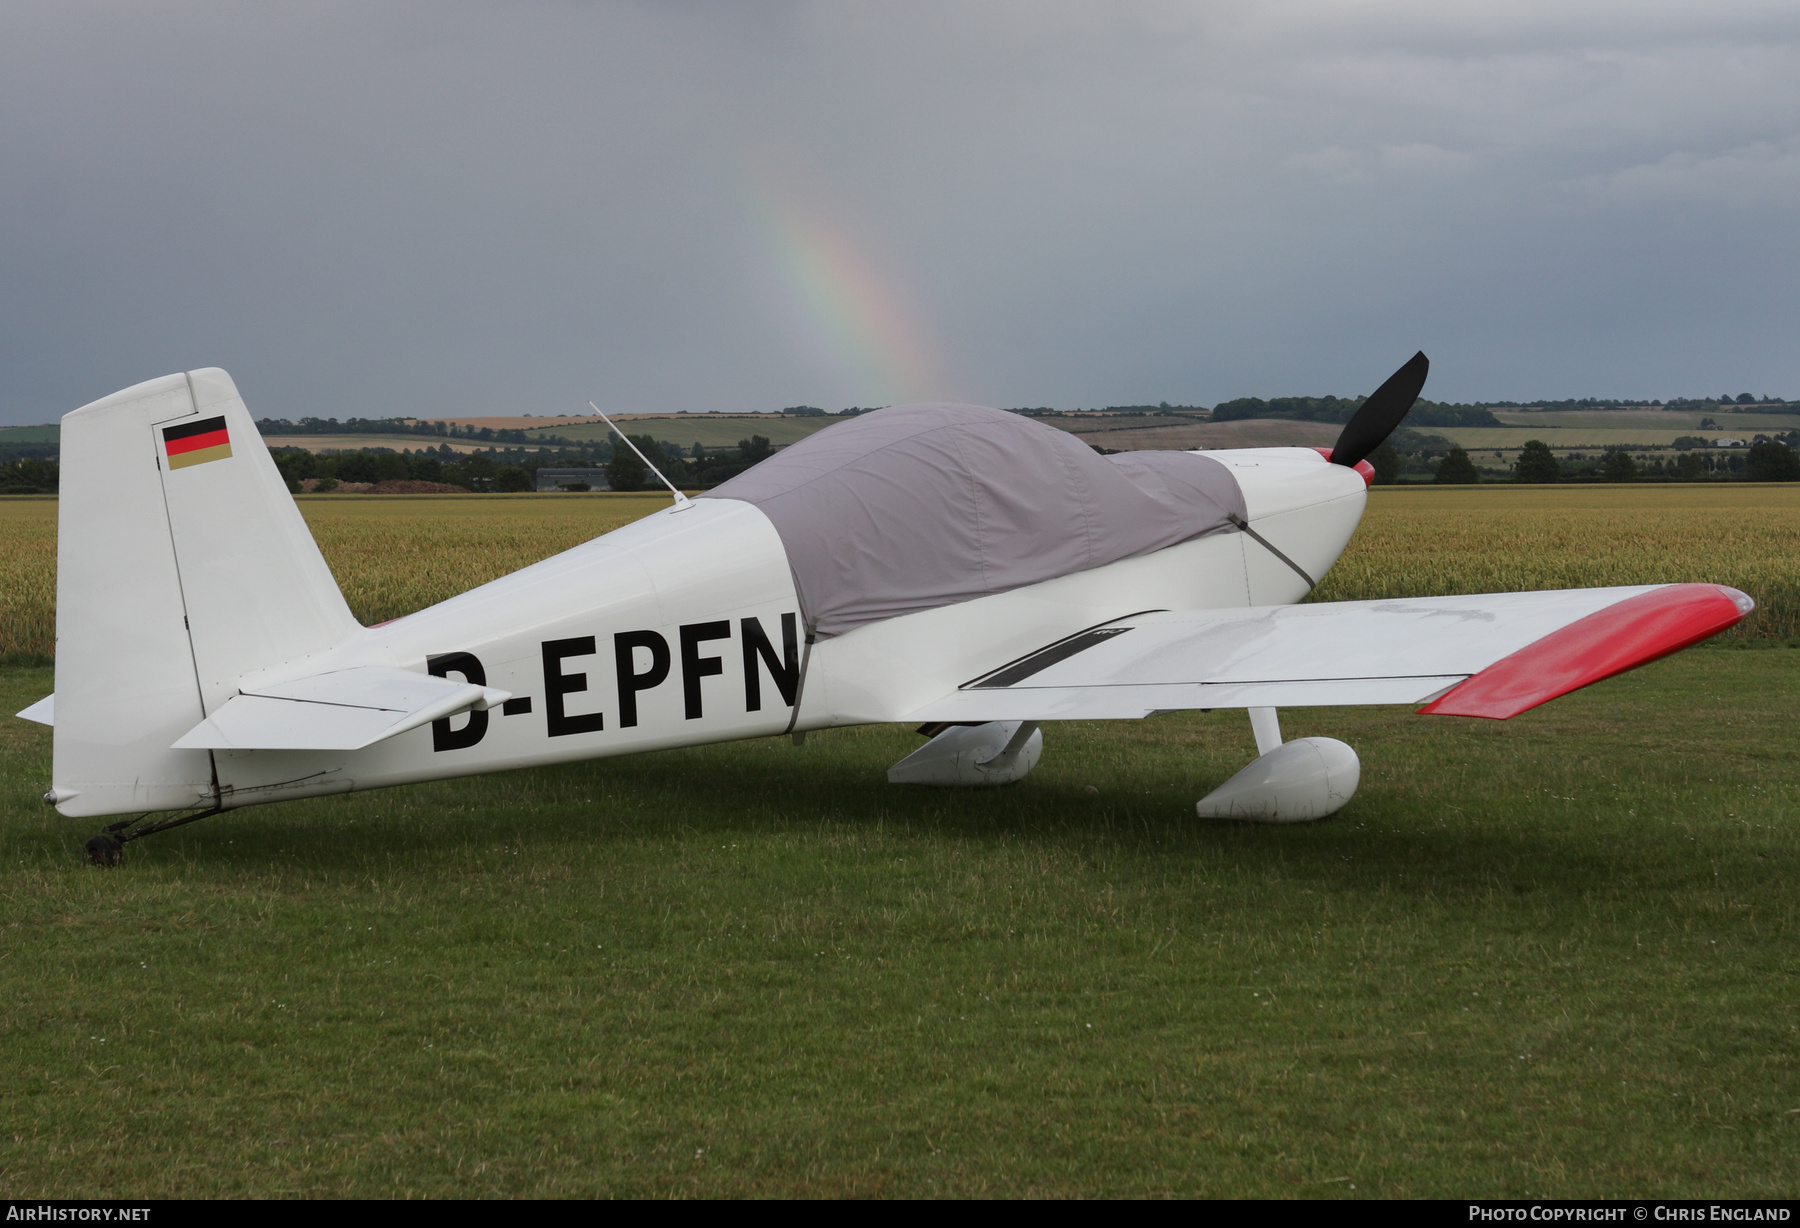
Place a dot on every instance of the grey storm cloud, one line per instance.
(434, 208)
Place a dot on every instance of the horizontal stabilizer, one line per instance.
(1493, 654)
(43, 711)
(343, 710)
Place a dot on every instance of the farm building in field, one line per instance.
(562, 479)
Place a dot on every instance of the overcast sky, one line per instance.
(370, 210)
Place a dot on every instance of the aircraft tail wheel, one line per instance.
(103, 851)
(1296, 782)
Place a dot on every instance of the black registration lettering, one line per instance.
(558, 684)
(694, 667)
(442, 665)
(630, 681)
(785, 672)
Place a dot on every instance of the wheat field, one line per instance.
(27, 577)
(391, 554)
(394, 554)
(1423, 541)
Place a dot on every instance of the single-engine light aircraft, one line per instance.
(969, 571)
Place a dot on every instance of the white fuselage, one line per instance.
(685, 628)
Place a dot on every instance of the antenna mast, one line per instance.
(681, 500)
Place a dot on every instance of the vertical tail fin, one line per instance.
(182, 564)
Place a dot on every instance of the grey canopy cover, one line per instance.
(920, 506)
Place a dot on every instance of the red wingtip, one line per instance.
(1610, 641)
(1363, 467)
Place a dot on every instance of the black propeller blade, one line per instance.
(1381, 413)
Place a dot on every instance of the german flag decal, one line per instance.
(195, 443)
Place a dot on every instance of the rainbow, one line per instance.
(852, 322)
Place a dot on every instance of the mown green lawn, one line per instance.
(1552, 956)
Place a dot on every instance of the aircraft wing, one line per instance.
(1493, 655)
(345, 709)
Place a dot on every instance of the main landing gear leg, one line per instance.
(105, 849)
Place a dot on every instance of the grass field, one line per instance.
(30, 434)
(1552, 956)
(1593, 429)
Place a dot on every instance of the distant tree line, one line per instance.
(29, 451)
(1478, 413)
(511, 459)
(1301, 409)
(473, 471)
(701, 469)
(31, 475)
(1769, 459)
(1342, 409)
(515, 469)
(1161, 410)
(397, 426)
(1742, 400)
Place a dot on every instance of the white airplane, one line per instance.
(969, 571)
